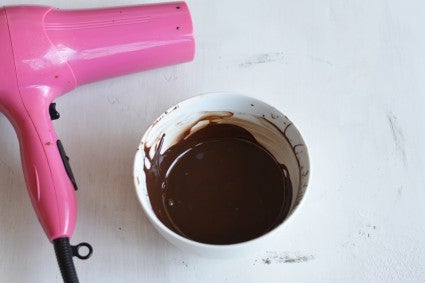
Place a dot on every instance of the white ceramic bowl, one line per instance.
(270, 127)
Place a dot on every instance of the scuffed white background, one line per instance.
(349, 74)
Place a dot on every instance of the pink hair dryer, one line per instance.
(44, 53)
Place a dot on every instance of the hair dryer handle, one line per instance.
(45, 166)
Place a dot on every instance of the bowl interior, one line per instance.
(270, 127)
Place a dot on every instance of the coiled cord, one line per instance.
(64, 254)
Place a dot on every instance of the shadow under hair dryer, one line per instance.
(46, 52)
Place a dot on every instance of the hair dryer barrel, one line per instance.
(103, 43)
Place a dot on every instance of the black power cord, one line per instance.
(64, 254)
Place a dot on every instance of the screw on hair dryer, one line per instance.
(46, 52)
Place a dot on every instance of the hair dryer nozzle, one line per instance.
(102, 43)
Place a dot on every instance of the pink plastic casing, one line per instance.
(46, 52)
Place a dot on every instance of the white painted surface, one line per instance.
(350, 74)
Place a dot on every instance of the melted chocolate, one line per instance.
(218, 186)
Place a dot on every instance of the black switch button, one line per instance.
(54, 115)
(65, 160)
